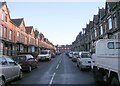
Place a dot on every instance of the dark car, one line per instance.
(27, 62)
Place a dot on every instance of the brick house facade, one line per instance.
(105, 25)
(14, 37)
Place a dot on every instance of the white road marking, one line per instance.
(50, 83)
(60, 61)
(57, 66)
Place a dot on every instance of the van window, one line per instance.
(110, 45)
(117, 45)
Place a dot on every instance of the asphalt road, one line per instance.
(59, 71)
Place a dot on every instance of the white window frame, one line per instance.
(10, 35)
(110, 23)
(95, 32)
(115, 21)
(1, 28)
(101, 29)
(2, 15)
(5, 32)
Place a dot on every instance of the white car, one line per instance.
(75, 56)
(84, 61)
(44, 55)
(9, 70)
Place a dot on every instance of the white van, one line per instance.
(44, 55)
(84, 60)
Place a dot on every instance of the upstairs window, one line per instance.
(10, 35)
(110, 23)
(5, 32)
(5, 17)
(95, 32)
(2, 15)
(101, 29)
(119, 13)
(115, 21)
(18, 34)
(1, 27)
(108, 8)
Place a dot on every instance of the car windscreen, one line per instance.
(85, 55)
(44, 52)
(20, 58)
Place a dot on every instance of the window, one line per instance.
(115, 21)
(105, 27)
(110, 23)
(1, 27)
(18, 34)
(119, 13)
(10, 61)
(2, 15)
(111, 45)
(5, 32)
(95, 32)
(108, 8)
(101, 29)
(3, 61)
(117, 45)
(5, 17)
(10, 35)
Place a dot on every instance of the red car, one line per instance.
(27, 62)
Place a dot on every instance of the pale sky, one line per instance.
(60, 22)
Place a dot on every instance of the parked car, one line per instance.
(44, 55)
(53, 55)
(9, 70)
(75, 55)
(70, 54)
(27, 62)
(84, 61)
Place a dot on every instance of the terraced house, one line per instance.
(15, 37)
(105, 25)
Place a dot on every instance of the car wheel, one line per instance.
(115, 82)
(20, 75)
(2, 82)
(29, 69)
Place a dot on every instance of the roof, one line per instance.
(111, 4)
(17, 21)
(95, 19)
(2, 3)
(28, 29)
(91, 24)
(36, 33)
(101, 12)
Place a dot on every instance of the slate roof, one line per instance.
(95, 19)
(101, 12)
(36, 33)
(111, 4)
(2, 3)
(17, 21)
(91, 24)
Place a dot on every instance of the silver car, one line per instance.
(9, 70)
